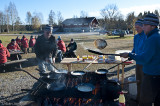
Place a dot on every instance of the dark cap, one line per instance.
(13, 40)
(0, 41)
(71, 39)
(151, 19)
(139, 22)
(48, 27)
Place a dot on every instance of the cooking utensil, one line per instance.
(90, 64)
(100, 53)
(78, 73)
(101, 71)
(100, 43)
(85, 87)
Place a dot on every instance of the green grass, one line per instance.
(6, 39)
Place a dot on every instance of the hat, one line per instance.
(59, 37)
(71, 39)
(48, 27)
(0, 41)
(24, 36)
(139, 22)
(151, 19)
(13, 40)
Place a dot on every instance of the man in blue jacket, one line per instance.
(138, 47)
(150, 59)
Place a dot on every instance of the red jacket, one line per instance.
(13, 47)
(24, 42)
(61, 46)
(32, 42)
(4, 53)
(18, 41)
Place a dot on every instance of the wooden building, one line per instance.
(87, 24)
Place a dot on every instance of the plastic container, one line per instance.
(132, 87)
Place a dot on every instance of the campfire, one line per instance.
(89, 89)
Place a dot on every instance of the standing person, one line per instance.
(138, 47)
(4, 53)
(45, 49)
(32, 42)
(24, 43)
(72, 46)
(150, 59)
(13, 46)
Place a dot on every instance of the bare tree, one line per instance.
(36, 23)
(6, 19)
(29, 19)
(109, 13)
(83, 14)
(1, 20)
(51, 18)
(18, 23)
(12, 13)
(129, 20)
(75, 16)
(59, 18)
(37, 20)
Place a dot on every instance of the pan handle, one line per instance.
(100, 53)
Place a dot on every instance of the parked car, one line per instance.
(103, 32)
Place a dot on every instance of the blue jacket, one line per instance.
(150, 57)
(138, 45)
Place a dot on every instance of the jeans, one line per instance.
(150, 90)
(45, 65)
(59, 56)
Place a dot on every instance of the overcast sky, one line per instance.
(69, 8)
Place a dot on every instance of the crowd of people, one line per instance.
(16, 45)
(146, 53)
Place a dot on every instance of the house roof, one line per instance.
(78, 20)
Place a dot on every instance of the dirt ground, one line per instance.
(13, 80)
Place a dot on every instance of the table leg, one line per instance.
(122, 80)
(118, 72)
(19, 63)
(69, 67)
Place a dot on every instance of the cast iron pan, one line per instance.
(85, 87)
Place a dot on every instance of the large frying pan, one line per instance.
(100, 53)
(100, 43)
(85, 87)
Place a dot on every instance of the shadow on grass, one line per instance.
(126, 69)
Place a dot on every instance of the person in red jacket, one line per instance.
(24, 43)
(61, 44)
(32, 42)
(4, 53)
(18, 41)
(13, 46)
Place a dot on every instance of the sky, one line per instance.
(69, 8)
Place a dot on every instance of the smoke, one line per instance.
(86, 48)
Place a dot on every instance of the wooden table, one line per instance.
(16, 53)
(70, 61)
